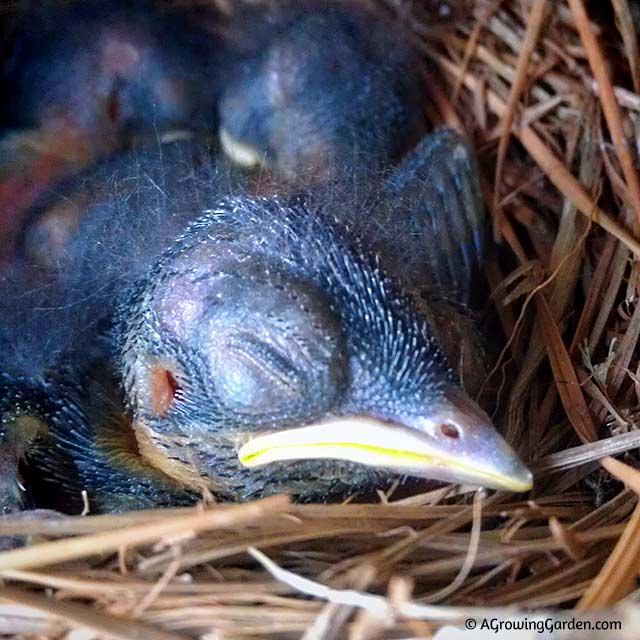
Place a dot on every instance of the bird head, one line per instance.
(322, 86)
(109, 71)
(266, 351)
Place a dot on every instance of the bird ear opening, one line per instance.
(113, 107)
(162, 389)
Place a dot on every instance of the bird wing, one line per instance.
(435, 216)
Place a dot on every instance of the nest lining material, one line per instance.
(552, 101)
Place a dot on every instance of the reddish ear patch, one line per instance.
(113, 107)
(162, 388)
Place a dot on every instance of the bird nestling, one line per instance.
(107, 68)
(300, 343)
(315, 87)
(84, 79)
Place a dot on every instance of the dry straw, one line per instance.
(551, 96)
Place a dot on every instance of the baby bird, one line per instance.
(300, 343)
(108, 68)
(319, 86)
(84, 79)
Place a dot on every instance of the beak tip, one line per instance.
(520, 480)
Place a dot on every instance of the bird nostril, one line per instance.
(163, 388)
(450, 430)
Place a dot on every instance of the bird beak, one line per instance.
(455, 443)
(240, 153)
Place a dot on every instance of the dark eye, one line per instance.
(162, 389)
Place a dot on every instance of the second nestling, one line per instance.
(317, 87)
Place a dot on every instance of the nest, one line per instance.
(551, 96)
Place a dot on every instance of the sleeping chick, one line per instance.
(85, 79)
(297, 343)
(108, 68)
(319, 86)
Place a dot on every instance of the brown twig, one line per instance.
(609, 103)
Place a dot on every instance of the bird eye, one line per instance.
(449, 430)
(163, 388)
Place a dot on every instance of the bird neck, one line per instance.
(159, 451)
